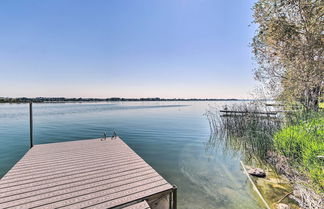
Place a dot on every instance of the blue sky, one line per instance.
(126, 48)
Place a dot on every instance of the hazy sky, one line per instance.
(126, 48)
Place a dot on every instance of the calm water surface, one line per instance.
(171, 136)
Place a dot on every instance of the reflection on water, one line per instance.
(171, 136)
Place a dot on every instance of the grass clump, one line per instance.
(302, 142)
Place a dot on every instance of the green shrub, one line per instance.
(321, 105)
(303, 143)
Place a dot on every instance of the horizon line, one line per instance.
(118, 98)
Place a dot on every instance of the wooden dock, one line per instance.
(234, 112)
(95, 173)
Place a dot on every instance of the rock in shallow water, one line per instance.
(283, 206)
(258, 172)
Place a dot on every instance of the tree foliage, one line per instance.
(288, 47)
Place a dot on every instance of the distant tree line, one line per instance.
(112, 99)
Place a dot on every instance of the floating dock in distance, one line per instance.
(95, 173)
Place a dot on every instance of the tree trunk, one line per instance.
(313, 98)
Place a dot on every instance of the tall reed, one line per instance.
(249, 131)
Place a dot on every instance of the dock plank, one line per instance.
(140, 205)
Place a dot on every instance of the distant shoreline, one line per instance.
(112, 99)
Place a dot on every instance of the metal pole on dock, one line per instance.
(31, 124)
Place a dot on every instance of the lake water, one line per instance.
(171, 136)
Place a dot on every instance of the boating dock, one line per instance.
(95, 173)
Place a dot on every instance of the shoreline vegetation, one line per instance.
(111, 99)
(289, 147)
(288, 47)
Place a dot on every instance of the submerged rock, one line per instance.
(258, 172)
(297, 193)
(283, 206)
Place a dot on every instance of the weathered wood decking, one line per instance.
(81, 174)
(140, 205)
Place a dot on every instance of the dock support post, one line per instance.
(31, 124)
(170, 199)
(174, 197)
